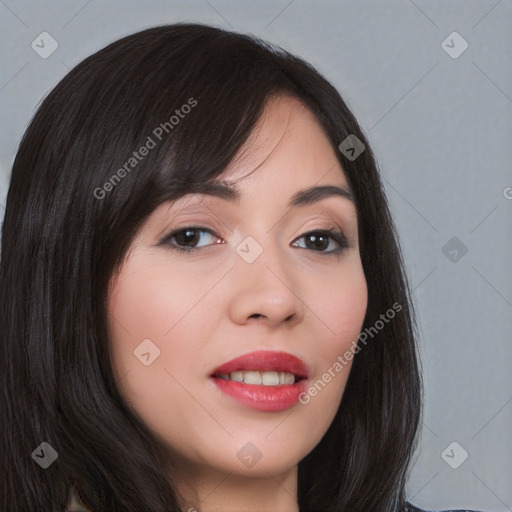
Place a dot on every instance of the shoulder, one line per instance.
(412, 508)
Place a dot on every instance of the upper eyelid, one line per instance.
(322, 215)
(168, 235)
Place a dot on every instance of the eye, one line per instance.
(320, 240)
(185, 239)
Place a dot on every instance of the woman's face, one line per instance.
(257, 281)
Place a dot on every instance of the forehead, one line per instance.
(290, 140)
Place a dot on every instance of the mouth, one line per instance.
(265, 380)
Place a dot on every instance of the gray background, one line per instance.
(441, 129)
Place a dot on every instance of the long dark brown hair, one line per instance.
(71, 214)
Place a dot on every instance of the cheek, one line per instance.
(144, 304)
(339, 300)
(340, 306)
(148, 316)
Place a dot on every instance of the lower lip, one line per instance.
(262, 398)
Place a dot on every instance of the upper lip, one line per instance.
(265, 360)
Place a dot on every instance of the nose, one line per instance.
(265, 292)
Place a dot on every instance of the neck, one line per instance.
(207, 490)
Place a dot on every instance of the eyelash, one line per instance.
(337, 236)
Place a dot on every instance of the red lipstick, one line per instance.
(272, 398)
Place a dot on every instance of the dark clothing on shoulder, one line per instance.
(412, 508)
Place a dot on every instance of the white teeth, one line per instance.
(269, 378)
(289, 378)
(238, 376)
(252, 377)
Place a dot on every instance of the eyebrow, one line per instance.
(303, 197)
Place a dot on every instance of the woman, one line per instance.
(203, 299)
